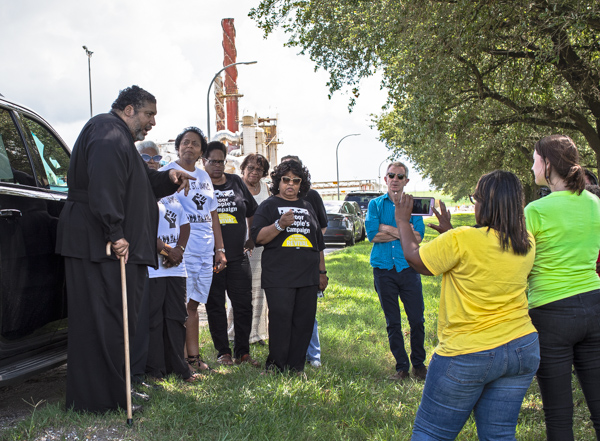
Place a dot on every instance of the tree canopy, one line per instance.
(471, 84)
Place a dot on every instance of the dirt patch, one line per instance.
(18, 401)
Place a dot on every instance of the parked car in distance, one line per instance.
(345, 222)
(362, 198)
(33, 189)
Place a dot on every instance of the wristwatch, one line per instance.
(279, 227)
(221, 250)
(182, 248)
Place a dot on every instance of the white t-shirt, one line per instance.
(198, 205)
(171, 217)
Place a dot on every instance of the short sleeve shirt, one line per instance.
(292, 258)
(171, 217)
(483, 302)
(198, 205)
(236, 203)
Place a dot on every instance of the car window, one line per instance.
(350, 208)
(54, 158)
(14, 162)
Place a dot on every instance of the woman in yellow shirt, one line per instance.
(488, 349)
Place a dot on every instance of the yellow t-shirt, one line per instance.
(483, 303)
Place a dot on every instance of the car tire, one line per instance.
(363, 234)
(352, 240)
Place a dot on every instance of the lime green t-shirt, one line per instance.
(483, 303)
(566, 227)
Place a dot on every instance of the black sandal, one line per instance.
(196, 363)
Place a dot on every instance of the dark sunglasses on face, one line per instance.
(155, 158)
(473, 198)
(287, 180)
(394, 175)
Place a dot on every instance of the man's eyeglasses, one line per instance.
(395, 175)
(258, 170)
(287, 180)
(473, 198)
(217, 161)
(155, 158)
(187, 142)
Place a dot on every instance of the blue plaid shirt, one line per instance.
(387, 255)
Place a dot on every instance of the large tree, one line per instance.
(471, 84)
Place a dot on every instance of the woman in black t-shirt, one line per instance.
(236, 208)
(293, 266)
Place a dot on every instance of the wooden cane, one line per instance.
(125, 335)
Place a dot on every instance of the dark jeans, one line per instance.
(569, 332)
(167, 327)
(291, 320)
(406, 285)
(236, 279)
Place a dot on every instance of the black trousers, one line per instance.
(139, 345)
(167, 327)
(236, 279)
(96, 356)
(291, 319)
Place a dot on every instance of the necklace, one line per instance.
(255, 188)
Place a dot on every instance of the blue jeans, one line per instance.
(313, 353)
(490, 383)
(569, 336)
(405, 284)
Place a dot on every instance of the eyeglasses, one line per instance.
(287, 180)
(187, 142)
(218, 162)
(473, 198)
(395, 175)
(258, 170)
(155, 158)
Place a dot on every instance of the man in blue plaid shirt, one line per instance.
(394, 278)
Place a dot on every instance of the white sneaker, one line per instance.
(315, 363)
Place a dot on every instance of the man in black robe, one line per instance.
(112, 198)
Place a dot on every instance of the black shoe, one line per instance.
(420, 373)
(139, 395)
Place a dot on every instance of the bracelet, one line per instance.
(182, 248)
(221, 250)
(322, 272)
(279, 227)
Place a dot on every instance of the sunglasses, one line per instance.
(473, 198)
(155, 158)
(287, 180)
(394, 175)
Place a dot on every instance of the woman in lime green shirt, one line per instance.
(564, 289)
(488, 349)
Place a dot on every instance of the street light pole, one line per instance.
(89, 55)
(380, 172)
(337, 167)
(208, 92)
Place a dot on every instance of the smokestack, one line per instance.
(231, 90)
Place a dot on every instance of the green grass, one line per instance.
(348, 398)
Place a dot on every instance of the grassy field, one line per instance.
(349, 398)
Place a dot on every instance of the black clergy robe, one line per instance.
(112, 195)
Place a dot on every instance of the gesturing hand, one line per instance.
(443, 219)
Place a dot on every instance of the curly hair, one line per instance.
(296, 169)
(134, 96)
(563, 156)
(260, 160)
(198, 132)
(501, 202)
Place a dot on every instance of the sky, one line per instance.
(173, 49)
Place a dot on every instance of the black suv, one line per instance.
(362, 198)
(33, 188)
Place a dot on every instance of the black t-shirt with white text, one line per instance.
(292, 258)
(236, 203)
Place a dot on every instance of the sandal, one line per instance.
(197, 364)
(193, 378)
(225, 360)
(247, 359)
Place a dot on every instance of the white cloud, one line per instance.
(173, 49)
